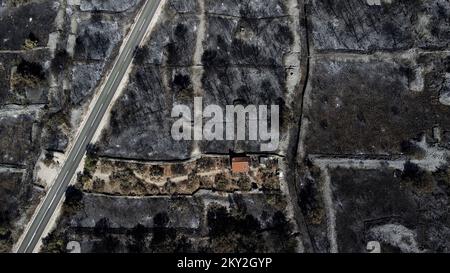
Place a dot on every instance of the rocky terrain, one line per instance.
(364, 93)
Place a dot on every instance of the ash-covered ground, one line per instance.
(364, 93)
(53, 55)
(142, 191)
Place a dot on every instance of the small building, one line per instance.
(240, 164)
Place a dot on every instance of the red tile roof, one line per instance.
(240, 164)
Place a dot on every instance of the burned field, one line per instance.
(206, 222)
(363, 88)
(405, 211)
(370, 106)
(161, 195)
(363, 156)
(23, 96)
(37, 49)
(374, 127)
(228, 60)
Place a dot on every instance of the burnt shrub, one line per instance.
(279, 222)
(141, 55)
(421, 180)
(411, 171)
(54, 243)
(73, 196)
(49, 156)
(60, 61)
(173, 53)
(212, 57)
(33, 38)
(180, 32)
(79, 45)
(138, 233)
(5, 234)
(284, 35)
(29, 69)
(161, 219)
(411, 149)
(221, 223)
(108, 244)
(245, 53)
(102, 226)
(96, 18)
(161, 233)
(183, 245)
(181, 82)
(92, 149)
(209, 57)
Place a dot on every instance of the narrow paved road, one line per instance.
(75, 156)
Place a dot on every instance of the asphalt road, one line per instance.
(76, 154)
